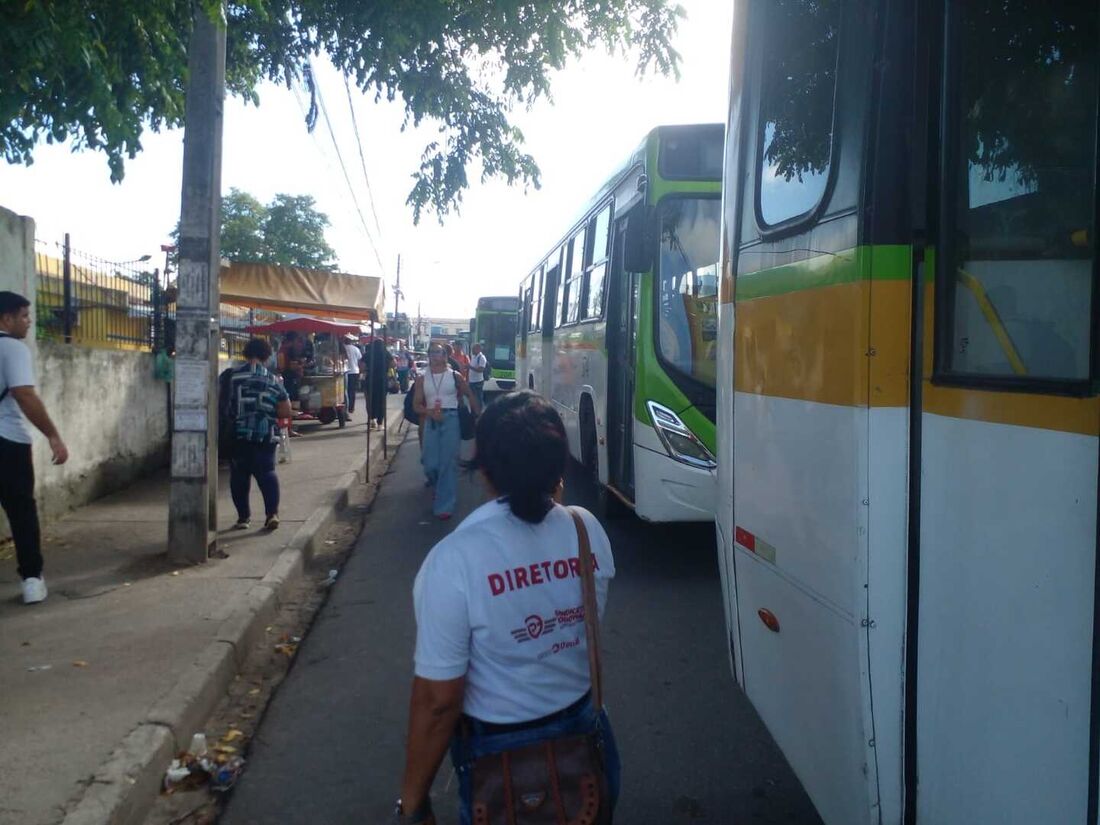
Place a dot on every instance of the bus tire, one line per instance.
(607, 503)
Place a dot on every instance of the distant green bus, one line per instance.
(494, 327)
(619, 327)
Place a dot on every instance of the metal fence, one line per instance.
(82, 299)
(90, 301)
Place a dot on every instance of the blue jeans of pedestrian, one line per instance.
(351, 386)
(439, 457)
(253, 460)
(465, 749)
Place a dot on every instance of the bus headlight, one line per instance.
(681, 443)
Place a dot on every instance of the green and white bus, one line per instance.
(618, 327)
(494, 327)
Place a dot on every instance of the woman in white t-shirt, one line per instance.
(500, 643)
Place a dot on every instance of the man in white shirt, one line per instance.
(478, 363)
(354, 357)
(19, 403)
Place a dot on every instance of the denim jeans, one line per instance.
(351, 384)
(253, 460)
(584, 719)
(439, 457)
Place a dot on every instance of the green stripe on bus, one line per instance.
(861, 263)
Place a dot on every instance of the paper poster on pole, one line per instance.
(191, 380)
(190, 421)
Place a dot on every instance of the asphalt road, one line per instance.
(331, 746)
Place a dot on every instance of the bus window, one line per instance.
(600, 228)
(1016, 282)
(536, 300)
(562, 300)
(574, 279)
(687, 332)
(798, 85)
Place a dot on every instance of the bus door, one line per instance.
(622, 322)
(1005, 629)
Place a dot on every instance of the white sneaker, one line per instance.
(34, 591)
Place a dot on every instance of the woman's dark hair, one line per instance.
(522, 449)
(257, 348)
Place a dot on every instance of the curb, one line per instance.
(122, 790)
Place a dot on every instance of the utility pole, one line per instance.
(192, 504)
(397, 300)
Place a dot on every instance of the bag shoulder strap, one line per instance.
(591, 609)
(4, 394)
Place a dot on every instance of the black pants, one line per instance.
(17, 499)
(251, 460)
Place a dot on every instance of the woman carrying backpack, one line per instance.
(437, 395)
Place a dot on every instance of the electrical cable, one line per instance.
(362, 159)
(340, 159)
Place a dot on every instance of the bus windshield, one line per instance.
(497, 333)
(687, 304)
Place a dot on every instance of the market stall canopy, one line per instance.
(312, 291)
(307, 326)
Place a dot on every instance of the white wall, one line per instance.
(106, 404)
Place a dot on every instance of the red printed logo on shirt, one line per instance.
(534, 626)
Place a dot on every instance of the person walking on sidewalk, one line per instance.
(462, 358)
(354, 357)
(257, 400)
(19, 403)
(478, 363)
(436, 402)
(485, 680)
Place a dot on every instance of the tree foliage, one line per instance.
(288, 231)
(1026, 92)
(99, 72)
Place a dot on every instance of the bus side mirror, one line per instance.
(639, 240)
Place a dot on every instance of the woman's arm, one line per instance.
(419, 403)
(434, 710)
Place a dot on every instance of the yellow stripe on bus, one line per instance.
(848, 344)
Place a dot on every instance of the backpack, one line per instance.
(227, 409)
(410, 412)
(487, 373)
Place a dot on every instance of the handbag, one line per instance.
(559, 781)
(467, 421)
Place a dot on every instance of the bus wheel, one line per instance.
(607, 503)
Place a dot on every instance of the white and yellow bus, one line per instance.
(908, 414)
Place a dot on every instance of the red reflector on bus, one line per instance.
(745, 538)
(769, 620)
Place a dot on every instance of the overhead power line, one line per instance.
(311, 79)
(362, 159)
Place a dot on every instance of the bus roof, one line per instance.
(647, 155)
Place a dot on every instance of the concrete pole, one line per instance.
(192, 506)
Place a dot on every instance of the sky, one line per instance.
(600, 112)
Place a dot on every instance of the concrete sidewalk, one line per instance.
(105, 680)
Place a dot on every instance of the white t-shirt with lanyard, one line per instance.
(499, 602)
(477, 368)
(16, 370)
(441, 385)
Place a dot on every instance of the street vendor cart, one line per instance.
(320, 392)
